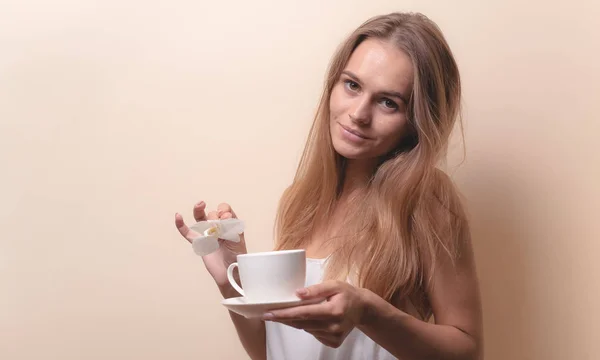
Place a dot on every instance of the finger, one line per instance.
(212, 216)
(224, 208)
(199, 213)
(322, 290)
(322, 311)
(184, 230)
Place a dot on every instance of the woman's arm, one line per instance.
(409, 338)
(250, 331)
(455, 300)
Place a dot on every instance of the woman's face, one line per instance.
(368, 103)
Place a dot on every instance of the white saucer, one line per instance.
(240, 305)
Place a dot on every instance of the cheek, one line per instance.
(392, 131)
(336, 103)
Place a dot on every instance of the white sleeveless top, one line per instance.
(288, 343)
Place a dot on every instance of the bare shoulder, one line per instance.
(447, 194)
(448, 214)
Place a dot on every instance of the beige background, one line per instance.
(114, 115)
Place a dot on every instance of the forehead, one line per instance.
(382, 66)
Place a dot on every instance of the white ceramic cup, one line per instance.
(269, 276)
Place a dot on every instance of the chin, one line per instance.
(351, 152)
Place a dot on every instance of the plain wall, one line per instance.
(114, 115)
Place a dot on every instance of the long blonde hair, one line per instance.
(410, 212)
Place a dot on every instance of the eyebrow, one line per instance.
(385, 93)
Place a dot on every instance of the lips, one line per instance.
(355, 132)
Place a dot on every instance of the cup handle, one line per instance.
(232, 280)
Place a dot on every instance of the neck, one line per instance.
(357, 175)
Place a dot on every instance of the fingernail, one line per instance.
(268, 316)
(201, 203)
(302, 292)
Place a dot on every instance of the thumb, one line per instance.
(225, 209)
(323, 290)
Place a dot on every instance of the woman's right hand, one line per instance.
(217, 262)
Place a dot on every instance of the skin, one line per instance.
(250, 331)
(369, 100)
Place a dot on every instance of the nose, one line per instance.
(360, 114)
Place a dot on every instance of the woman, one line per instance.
(383, 228)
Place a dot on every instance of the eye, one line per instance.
(351, 85)
(389, 104)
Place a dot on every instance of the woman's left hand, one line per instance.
(331, 321)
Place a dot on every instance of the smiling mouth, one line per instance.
(354, 132)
